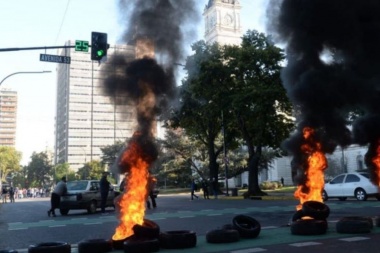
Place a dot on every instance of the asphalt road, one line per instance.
(26, 222)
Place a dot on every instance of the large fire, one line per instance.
(376, 162)
(316, 165)
(132, 201)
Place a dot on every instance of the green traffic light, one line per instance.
(100, 53)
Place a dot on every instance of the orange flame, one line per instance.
(376, 162)
(316, 164)
(132, 201)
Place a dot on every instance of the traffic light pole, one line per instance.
(33, 48)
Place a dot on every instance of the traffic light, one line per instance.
(99, 45)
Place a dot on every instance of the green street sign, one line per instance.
(81, 45)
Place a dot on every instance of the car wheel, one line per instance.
(94, 245)
(360, 194)
(342, 198)
(47, 247)
(325, 197)
(353, 225)
(247, 226)
(64, 211)
(378, 197)
(181, 239)
(92, 207)
(316, 209)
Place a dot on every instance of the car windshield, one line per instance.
(76, 185)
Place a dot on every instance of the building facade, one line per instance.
(222, 22)
(8, 117)
(86, 119)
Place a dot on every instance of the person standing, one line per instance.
(150, 188)
(205, 190)
(193, 189)
(11, 195)
(4, 193)
(55, 199)
(104, 189)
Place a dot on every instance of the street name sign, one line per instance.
(55, 58)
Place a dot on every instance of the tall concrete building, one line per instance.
(86, 120)
(222, 22)
(8, 117)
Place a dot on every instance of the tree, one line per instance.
(201, 102)
(39, 170)
(110, 152)
(9, 162)
(257, 99)
(91, 170)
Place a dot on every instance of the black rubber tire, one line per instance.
(298, 215)
(64, 211)
(247, 226)
(354, 225)
(178, 239)
(94, 246)
(49, 247)
(228, 226)
(118, 244)
(140, 245)
(316, 210)
(92, 207)
(308, 227)
(148, 229)
(325, 197)
(8, 251)
(360, 194)
(222, 236)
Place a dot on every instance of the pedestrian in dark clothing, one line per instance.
(193, 189)
(205, 190)
(150, 188)
(55, 199)
(104, 189)
(282, 181)
(12, 194)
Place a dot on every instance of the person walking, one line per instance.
(193, 189)
(11, 194)
(4, 193)
(205, 190)
(55, 199)
(104, 189)
(150, 189)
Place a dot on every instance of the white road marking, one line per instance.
(354, 239)
(304, 244)
(249, 250)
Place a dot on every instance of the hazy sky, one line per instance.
(39, 23)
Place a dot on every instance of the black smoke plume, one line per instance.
(149, 84)
(333, 62)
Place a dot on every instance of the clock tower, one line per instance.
(222, 22)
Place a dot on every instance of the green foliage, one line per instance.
(110, 152)
(9, 162)
(91, 170)
(39, 170)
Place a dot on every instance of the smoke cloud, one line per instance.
(333, 61)
(146, 83)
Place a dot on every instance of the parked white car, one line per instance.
(352, 184)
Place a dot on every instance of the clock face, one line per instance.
(228, 20)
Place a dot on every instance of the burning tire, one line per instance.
(222, 236)
(316, 209)
(308, 227)
(48, 247)
(139, 245)
(148, 229)
(354, 225)
(247, 226)
(94, 246)
(180, 239)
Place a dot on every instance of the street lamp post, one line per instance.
(25, 72)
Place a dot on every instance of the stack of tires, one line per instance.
(148, 238)
(56, 247)
(311, 219)
(242, 226)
